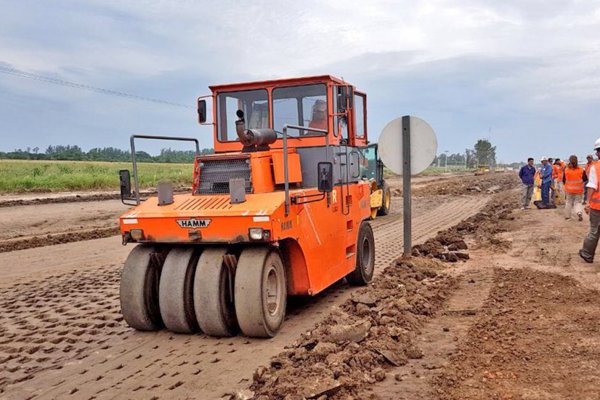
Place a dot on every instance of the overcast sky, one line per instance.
(523, 74)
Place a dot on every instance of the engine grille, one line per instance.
(215, 175)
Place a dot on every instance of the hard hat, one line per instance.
(597, 144)
(544, 159)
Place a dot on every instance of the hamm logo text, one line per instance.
(193, 223)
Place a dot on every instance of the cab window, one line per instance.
(254, 104)
(368, 163)
(359, 116)
(300, 105)
(340, 123)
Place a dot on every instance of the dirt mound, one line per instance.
(536, 338)
(52, 239)
(355, 344)
(450, 245)
(485, 184)
(66, 199)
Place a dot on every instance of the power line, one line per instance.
(62, 82)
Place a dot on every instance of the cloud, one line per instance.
(523, 73)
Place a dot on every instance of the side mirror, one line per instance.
(325, 177)
(125, 180)
(201, 111)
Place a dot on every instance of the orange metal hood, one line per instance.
(187, 205)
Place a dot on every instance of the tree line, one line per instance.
(75, 153)
(482, 153)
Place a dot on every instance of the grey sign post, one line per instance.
(406, 194)
(407, 146)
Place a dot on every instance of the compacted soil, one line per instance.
(62, 335)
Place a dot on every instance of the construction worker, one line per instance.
(590, 161)
(573, 178)
(552, 183)
(527, 173)
(557, 181)
(592, 207)
(537, 187)
(319, 115)
(588, 165)
(546, 176)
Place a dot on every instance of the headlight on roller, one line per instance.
(137, 234)
(255, 233)
(259, 234)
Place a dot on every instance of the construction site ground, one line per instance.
(517, 320)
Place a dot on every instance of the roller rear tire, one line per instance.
(138, 291)
(176, 290)
(365, 257)
(260, 292)
(213, 303)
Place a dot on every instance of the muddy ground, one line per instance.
(422, 330)
(518, 320)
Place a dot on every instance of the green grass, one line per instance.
(432, 171)
(47, 176)
(442, 170)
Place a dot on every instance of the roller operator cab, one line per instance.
(280, 209)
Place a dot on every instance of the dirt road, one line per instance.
(62, 335)
(520, 322)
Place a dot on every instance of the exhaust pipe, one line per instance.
(253, 137)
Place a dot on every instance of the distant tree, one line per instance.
(143, 156)
(75, 153)
(471, 159)
(485, 153)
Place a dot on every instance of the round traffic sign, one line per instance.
(423, 145)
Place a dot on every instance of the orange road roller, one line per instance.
(280, 209)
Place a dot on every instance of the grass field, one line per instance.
(42, 176)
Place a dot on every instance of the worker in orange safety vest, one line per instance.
(557, 180)
(588, 165)
(592, 207)
(574, 178)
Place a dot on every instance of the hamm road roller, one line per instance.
(280, 209)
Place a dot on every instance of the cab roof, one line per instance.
(278, 82)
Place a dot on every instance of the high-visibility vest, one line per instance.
(595, 198)
(557, 172)
(574, 180)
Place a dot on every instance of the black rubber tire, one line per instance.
(175, 293)
(260, 292)
(365, 257)
(386, 200)
(213, 304)
(138, 290)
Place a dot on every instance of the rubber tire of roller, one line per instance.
(251, 307)
(214, 311)
(138, 290)
(365, 262)
(385, 209)
(175, 294)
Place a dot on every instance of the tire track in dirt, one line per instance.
(436, 340)
(117, 362)
(38, 263)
